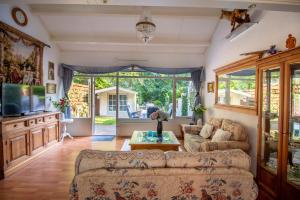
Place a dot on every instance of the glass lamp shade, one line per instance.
(145, 28)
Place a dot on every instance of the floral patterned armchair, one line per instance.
(155, 175)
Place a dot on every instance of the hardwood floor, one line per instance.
(49, 176)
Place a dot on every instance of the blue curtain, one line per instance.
(111, 69)
(67, 77)
(197, 79)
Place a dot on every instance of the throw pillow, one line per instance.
(221, 135)
(206, 131)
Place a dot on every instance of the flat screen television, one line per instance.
(37, 98)
(15, 99)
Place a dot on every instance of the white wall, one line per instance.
(273, 28)
(35, 29)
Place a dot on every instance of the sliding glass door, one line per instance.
(80, 95)
(105, 105)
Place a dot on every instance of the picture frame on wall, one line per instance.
(51, 88)
(51, 75)
(21, 57)
(211, 87)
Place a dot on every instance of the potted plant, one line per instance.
(198, 111)
(62, 105)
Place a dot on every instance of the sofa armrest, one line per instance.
(224, 145)
(191, 129)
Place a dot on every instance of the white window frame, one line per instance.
(173, 78)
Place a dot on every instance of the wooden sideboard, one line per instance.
(23, 138)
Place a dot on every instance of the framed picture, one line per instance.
(51, 71)
(21, 57)
(51, 88)
(211, 87)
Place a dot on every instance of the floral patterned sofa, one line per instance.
(155, 175)
(193, 142)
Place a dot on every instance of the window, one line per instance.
(112, 102)
(185, 98)
(236, 86)
(140, 94)
(146, 95)
(80, 97)
(123, 102)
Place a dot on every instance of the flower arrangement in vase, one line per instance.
(160, 116)
(62, 105)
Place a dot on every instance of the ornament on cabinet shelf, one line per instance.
(290, 42)
(263, 53)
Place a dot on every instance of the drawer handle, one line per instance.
(15, 125)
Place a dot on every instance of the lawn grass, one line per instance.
(105, 120)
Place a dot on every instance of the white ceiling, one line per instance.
(183, 26)
(112, 28)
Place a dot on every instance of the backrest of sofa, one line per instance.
(95, 159)
(216, 123)
(238, 132)
(216, 159)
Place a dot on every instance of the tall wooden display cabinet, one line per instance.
(278, 153)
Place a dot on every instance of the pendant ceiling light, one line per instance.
(145, 28)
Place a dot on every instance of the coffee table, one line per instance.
(148, 140)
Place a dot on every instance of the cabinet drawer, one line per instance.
(50, 118)
(39, 120)
(13, 126)
(31, 122)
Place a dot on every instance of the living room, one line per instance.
(200, 95)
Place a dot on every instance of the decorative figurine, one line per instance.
(270, 51)
(290, 42)
(236, 17)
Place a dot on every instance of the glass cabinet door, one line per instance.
(293, 157)
(270, 118)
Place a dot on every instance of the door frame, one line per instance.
(93, 97)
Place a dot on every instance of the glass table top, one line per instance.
(150, 137)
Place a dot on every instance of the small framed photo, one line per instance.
(51, 71)
(51, 88)
(211, 87)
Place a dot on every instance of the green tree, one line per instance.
(101, 83)
(184, 108)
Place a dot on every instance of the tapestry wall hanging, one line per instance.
(21, 57)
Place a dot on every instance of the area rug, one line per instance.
(96, 138)
(126, 146)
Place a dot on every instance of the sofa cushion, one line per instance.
(229, 158)
(206, 131)
(221, 135)
(216, 123)
(193, 142)
(194, 129)
(237, 130)
(95, 159)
